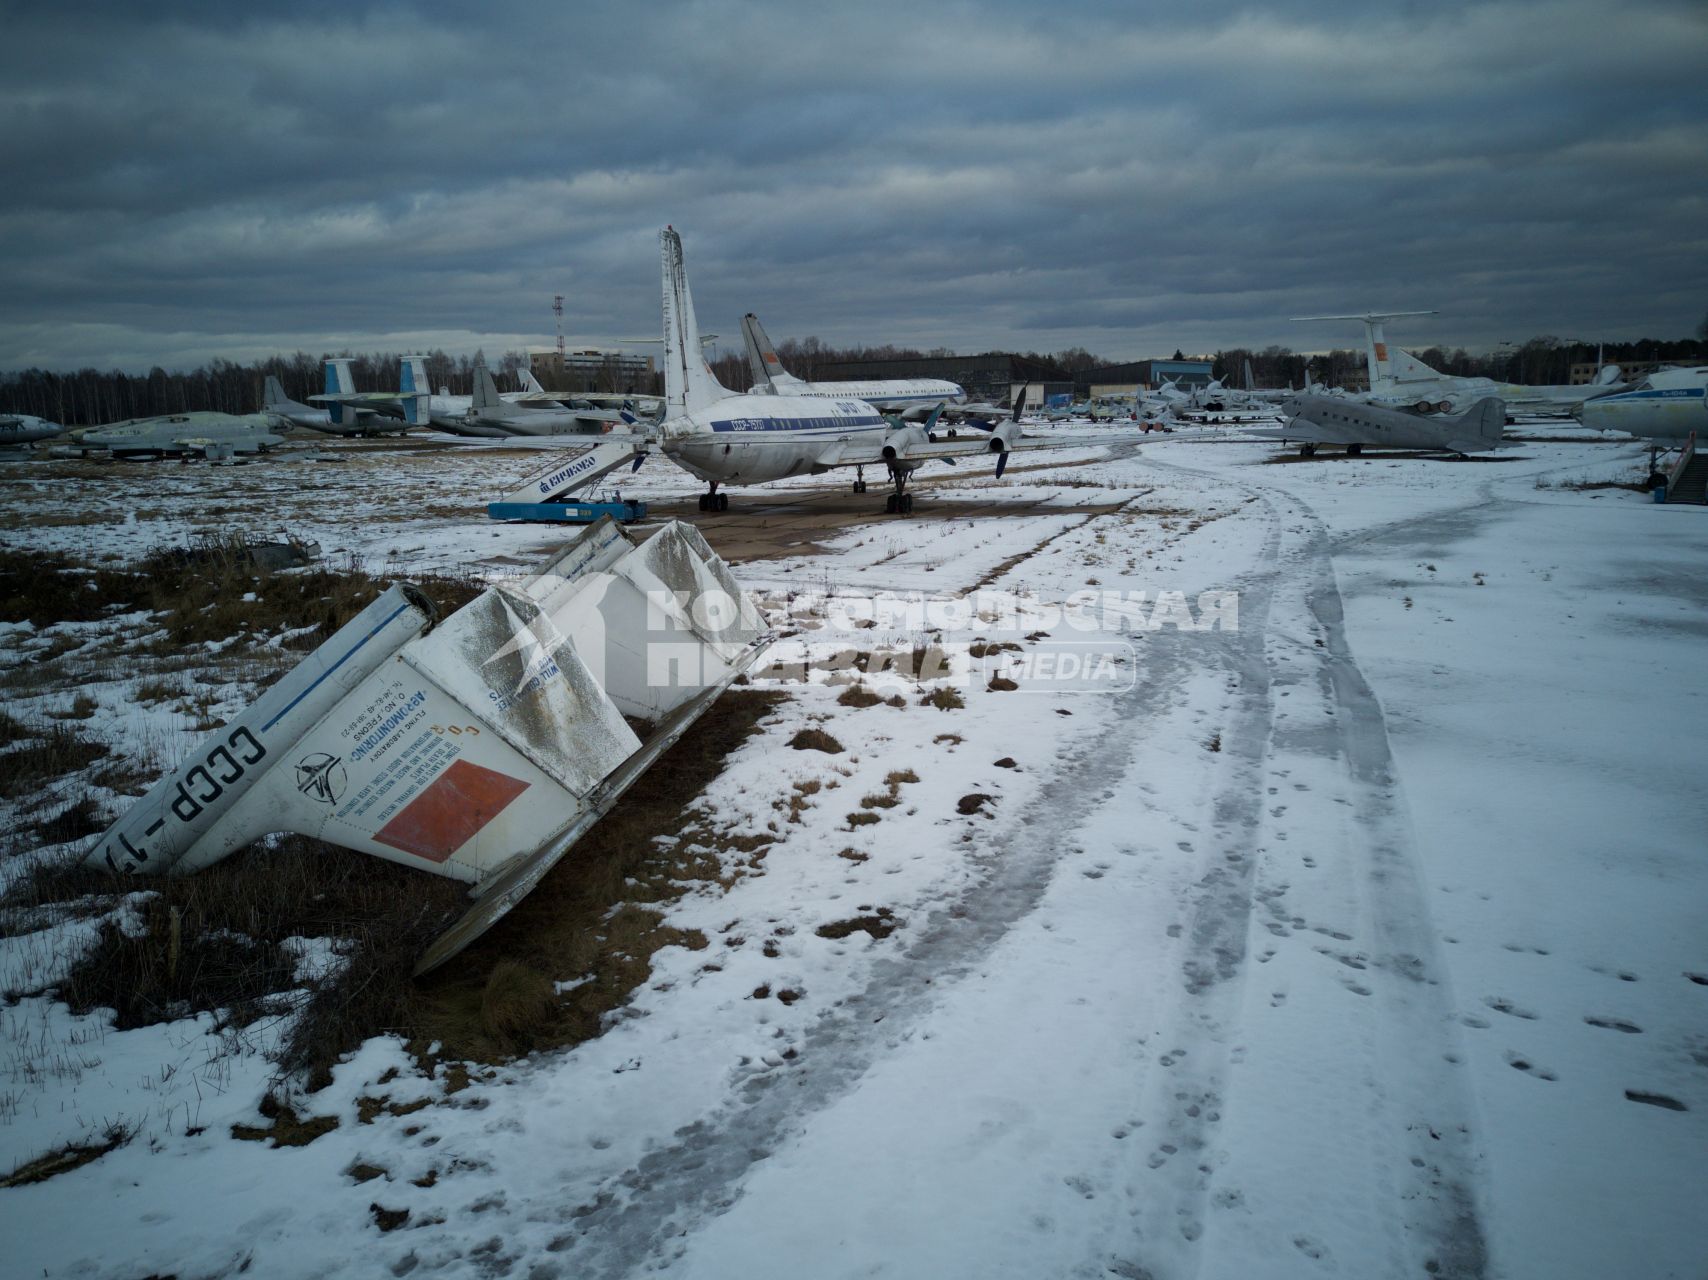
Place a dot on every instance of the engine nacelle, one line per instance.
(902, 440)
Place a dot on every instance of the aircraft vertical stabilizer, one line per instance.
(479, 747)
(339, 382)
(688, 382)
(762, 356)
(274, 394)
(486, 397)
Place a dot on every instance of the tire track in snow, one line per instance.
(641, 1221)
(1423, 1094)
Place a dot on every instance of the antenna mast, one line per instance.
(557, 310)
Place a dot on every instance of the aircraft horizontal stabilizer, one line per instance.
(480, 747)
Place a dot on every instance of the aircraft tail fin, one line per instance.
(274, 397)
(412, 383)
(530, 383)
(339, 382)
(1250, 384)
(479, 748)
(485, 396)
(688, 382)
(1408, 368)
(1608, 374)
(1483, 424)
(762, 357)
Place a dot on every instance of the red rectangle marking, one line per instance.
(456, 805)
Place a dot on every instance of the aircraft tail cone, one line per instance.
(480, 747)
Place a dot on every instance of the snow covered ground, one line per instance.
(1363, 937)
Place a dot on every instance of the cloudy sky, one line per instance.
(193, 180)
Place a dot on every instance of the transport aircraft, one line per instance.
(1668, 407)
(1319, 420)
(443, 410)
(1400, 379)
(337, 418)
(182, 434)
(522, 417)
(23, 428)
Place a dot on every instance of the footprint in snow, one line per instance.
(1614, 1024)
(1520, 1063)
(1502, 1005)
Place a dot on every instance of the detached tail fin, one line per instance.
(688, 382)
(762, 356)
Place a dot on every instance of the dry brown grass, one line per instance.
(53, 754)
(858, 695)
(944, 698)
(816, 740)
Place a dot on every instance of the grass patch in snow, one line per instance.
(816, 740)
(67, 1158)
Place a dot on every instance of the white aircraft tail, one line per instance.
(274, 396)
(1607, 375)
(762, 358)
(688, 382)
(480, 747)
(531, 384)
(1408, 368)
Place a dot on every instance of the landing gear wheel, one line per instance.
(859, 486)
(705, 502)
(890, 504)
(720, 502)
(1353, 450)
(1307, 451)
(905, 502)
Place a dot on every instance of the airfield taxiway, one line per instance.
(1360, 938)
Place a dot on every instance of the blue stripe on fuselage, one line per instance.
(797, 424)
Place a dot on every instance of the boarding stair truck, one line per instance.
(1687, 477)
(480, 746)
(545, 494)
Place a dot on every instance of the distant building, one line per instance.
(591, 369)
(1142, 375)
(1629, 370)
(992, 377)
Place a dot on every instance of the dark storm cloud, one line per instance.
(203, 180)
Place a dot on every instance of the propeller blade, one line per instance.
(1001, 463)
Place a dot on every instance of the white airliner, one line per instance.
(727, 439)
(1668, 407)
(892, 395)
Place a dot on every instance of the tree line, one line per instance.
(90, 396)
